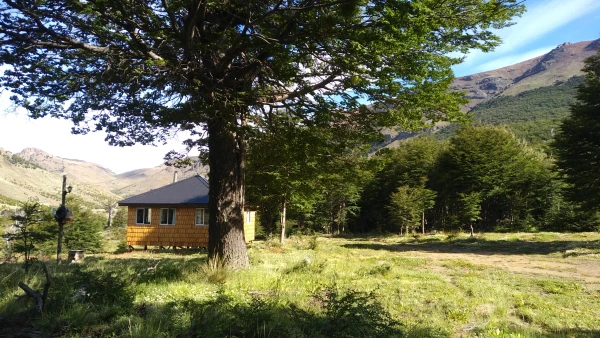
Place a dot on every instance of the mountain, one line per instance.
(22, 178)
(142, 180)
(530, 97)
(555, 67)
(74, 169)
(35, 173)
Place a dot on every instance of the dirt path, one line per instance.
(585, 270)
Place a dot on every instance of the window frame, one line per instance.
(147, 216)
(160, 218)
(205, 215)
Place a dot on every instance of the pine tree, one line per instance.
(26, 233)
(577, 143)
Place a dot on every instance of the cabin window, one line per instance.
(201, 216)
(143, 215)
(167, 216)
(248, 216)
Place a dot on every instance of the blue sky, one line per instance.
(546, 24)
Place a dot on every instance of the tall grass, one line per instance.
(342, 287)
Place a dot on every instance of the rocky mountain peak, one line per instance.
(32, 152)
(558, 65)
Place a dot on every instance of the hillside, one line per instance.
(35, 173)
(530, 97)
(555, 67)
(74, 169)
(23, 178)
(533, 115)
(141, 180)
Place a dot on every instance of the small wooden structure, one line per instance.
(175, 215)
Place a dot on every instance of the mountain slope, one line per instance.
(555, 67)
(35, 173)
(74, 169)
(530, 97)
(21, 179)
(533, 115)
(141, 180)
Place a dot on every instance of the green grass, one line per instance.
(320, 287)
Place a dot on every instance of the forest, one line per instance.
(482, 176)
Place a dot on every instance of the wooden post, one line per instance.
(283, 210)
(61, 222)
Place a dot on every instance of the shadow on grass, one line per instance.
(485, 247)
(164, 250)
(148, 270)
(334, 313)
(109, 309)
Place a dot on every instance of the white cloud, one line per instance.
(53, 136)
(544, 17)
(541, 18)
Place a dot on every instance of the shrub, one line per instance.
(338, 314)
(103, 287)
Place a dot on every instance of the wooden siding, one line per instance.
(183, 233)
(249, 227)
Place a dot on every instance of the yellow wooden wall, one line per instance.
(183, 233)
(249, 227)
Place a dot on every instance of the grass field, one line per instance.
(496, 285)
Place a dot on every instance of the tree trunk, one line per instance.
(283, 210)
(227, 159)
(423, 222)
(110, 211)
(61, 223)
(342, 218)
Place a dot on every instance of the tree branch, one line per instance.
(40, 298)
(298, 93)
(172, 17)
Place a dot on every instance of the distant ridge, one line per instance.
(35, 173)
(556, 66)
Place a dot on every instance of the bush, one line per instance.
(103, 287)
(338, 314)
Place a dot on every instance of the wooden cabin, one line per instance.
(174, 215)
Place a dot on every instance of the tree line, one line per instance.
(482, 178)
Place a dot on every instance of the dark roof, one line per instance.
(191, 191)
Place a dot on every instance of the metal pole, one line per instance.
(61, 222)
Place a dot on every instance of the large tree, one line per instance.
(577, 144)
(140, 69)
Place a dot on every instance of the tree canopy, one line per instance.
(141, 70)
(577, 144)
(482, 174)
